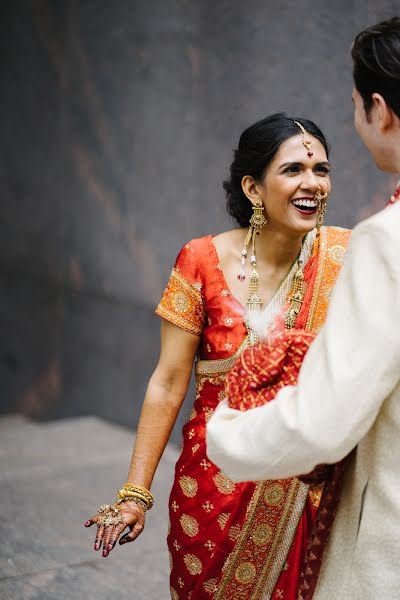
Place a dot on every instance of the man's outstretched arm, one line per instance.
(350, 369)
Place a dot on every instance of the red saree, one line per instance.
(226, 540)
(257, 376)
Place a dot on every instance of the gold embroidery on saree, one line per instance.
(223, 519)
(333, 244)
(189, 486)
(193, 564)
(224, 484)
(262, 534)
(273, 526)
(189, 525)
(210, 586)
(182, 304)
(273, 494)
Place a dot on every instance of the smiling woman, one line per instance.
(275, 271)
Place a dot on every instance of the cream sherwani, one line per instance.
(348, 393)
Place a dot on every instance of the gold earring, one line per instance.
(257, 222)
(321, 199)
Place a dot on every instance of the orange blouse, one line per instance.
(197, 299)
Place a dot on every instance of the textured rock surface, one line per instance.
(117, 125)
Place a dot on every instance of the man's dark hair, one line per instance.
(376, 57)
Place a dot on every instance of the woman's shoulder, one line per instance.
(198, 245)
(194, 256)
(221, 242)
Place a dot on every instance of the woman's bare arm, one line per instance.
(164, 397)
(165, 394)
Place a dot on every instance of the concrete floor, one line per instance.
(53, 476)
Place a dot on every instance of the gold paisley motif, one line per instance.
(337, 254)
(189, 525)
(193, 564)
(273, 494)
(210, 586)
(174, 595)
(234, 532)
(188, 486)
(223, 519)
(245, 573)
(262, 534)
(224, 484)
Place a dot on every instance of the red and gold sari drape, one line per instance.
(236, 540)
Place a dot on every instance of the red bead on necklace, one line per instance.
(396, 196)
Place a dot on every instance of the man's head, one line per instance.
(376, 58)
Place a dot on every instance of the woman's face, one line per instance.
(290, 183)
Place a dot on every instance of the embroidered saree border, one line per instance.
(220, 366)
(333, 243)
(245, 565)
(182, 304)
(228, 569)
(320, 272)
(294, 510)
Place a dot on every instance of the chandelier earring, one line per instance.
(257, 222)
(321, 198)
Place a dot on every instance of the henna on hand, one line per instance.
(133, 517)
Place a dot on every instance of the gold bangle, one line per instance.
(137, 501)
(133, 493)
(129, 488)
(138, 488)
(126, 495)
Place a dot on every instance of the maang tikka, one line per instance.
(306, 140)
(257, 222)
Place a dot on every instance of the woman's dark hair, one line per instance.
(258, 146)
(376, 63)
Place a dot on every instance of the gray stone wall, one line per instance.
(118, 123)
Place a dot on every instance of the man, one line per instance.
(348, 391)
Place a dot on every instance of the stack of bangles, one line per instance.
(135, 493)
(111, 515)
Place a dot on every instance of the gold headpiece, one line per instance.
(307, 143)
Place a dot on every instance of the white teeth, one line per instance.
(305, 203)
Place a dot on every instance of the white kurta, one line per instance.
(348, 392)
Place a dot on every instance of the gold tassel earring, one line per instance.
(257, 222)
(321, 199)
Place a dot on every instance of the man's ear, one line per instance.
(383, 113)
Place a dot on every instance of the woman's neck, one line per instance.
(277, 248)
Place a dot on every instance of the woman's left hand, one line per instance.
(132, 515)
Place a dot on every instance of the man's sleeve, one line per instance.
(350, 369)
